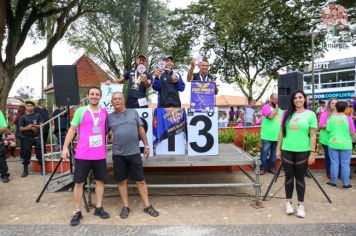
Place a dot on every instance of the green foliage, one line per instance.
(111, 36)
(226, 135)
(252, 39)
(251, 141)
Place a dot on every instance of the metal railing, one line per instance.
(54, 154)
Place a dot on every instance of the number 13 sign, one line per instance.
(203, 133)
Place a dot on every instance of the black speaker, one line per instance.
(287, 84)
(65, 84)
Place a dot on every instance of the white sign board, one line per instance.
(174, 145)
(107, 91)
(203, 133)
(146, 116)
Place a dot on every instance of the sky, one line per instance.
(63, 54)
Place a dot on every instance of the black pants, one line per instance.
(45, 138)
(3, 164)
(26, 144)
(295, 165)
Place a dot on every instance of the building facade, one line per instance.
(333, 79)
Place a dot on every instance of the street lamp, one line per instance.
(313, 34)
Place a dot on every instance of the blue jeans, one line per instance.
(268, 147)
(327, 159)
(343, 158)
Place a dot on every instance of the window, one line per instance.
(346, 76)
(328, 80)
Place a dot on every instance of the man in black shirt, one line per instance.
(60, 126)
(29, 124)
(203, 74)
(42, 110)
(139, 82)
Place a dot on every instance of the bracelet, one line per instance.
(147, 146)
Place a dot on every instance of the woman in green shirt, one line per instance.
(296, 147)
(341, 128)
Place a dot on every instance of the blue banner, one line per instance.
(202, 96)
(168, 122)
(328, 95)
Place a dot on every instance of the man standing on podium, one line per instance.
(139, 81)
(203, 74)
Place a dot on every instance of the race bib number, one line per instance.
(95, 141)
(142, 102)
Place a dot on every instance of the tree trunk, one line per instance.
(5, 86)
(49, 31)
(143, 28)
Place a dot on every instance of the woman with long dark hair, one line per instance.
(296, 148)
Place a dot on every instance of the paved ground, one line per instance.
(182, 212)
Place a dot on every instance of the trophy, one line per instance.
(161, 65)
(198, 59)
(140, 70)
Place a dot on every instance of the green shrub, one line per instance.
(227, 135)
(251, 143)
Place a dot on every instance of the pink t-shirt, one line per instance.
(323, 119)
(266, 110)
(91, 142)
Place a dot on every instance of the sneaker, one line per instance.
(300, 211)
(331, 184)
(124, 212)
(151, 211)
(289, 208)
(100, 212)
(347, 186)
(76, 218)
(5, 180)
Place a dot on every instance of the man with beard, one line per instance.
(90, 152)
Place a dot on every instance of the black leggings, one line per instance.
(295, 165)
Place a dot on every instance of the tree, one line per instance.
(252, 39)
(111, 37)
(143, 28)
(25, 92)
(20, 19)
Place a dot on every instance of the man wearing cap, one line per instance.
(168, 83)
(203, 74)
(29, 124)
(138, 84)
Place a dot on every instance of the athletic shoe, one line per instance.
(125, 211)
(289, 208)
(100, 212)
(331, 184)
(151, 211)
(76, 218)
(347, 186)
(300, 211)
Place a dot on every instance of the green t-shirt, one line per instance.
(339, 133)
(270, 127)
(3, 123)
(297, 131)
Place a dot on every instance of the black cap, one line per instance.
(30, 102)
(141, 55)
(168, 57)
